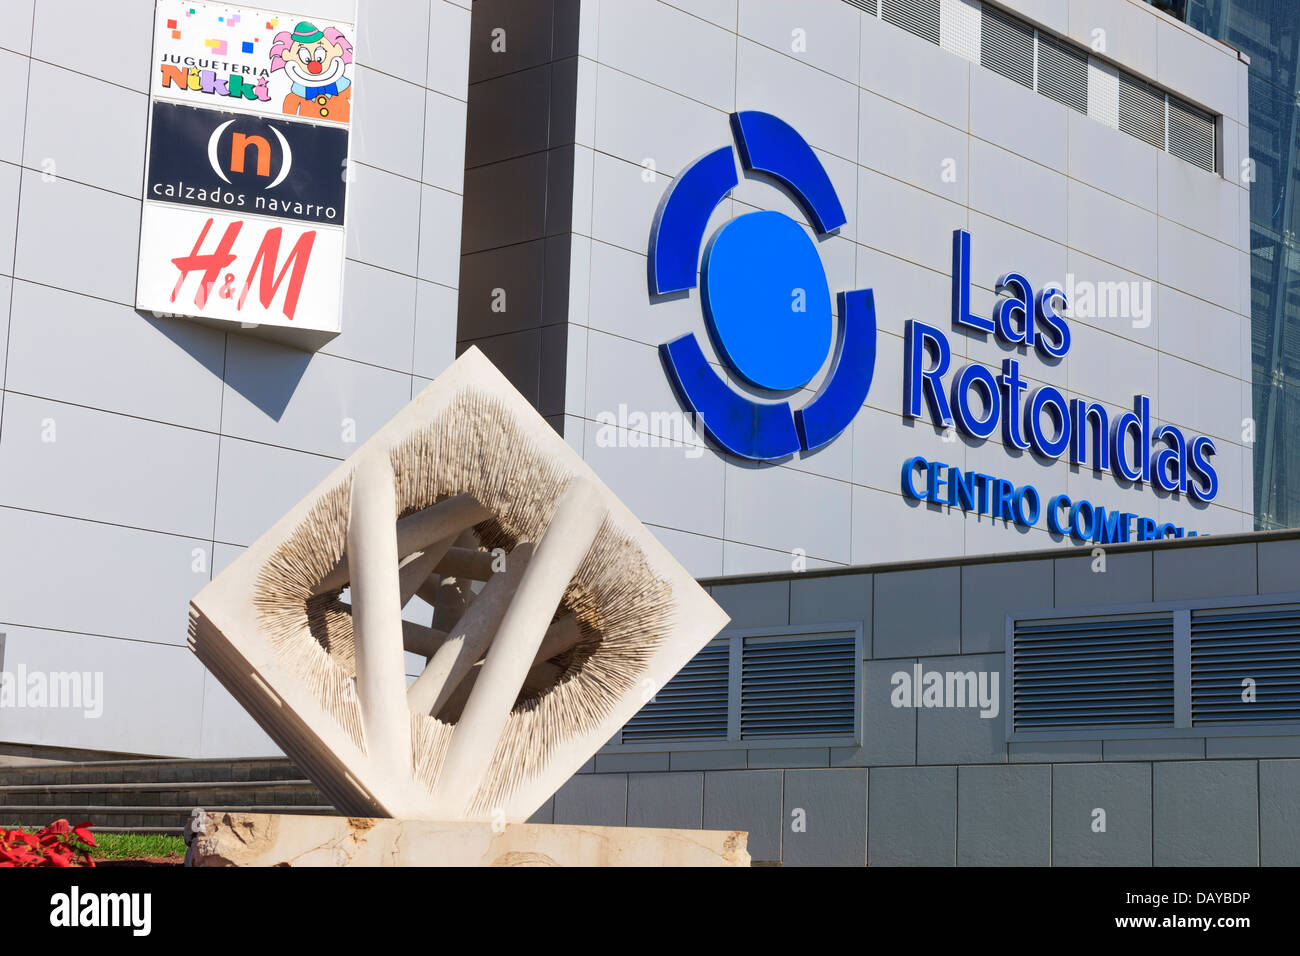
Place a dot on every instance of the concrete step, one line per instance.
(151, 771)
(152, 796)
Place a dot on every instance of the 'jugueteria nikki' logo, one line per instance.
(766, 300)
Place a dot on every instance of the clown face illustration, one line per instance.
(315, 62)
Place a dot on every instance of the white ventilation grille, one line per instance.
(1093, 671)
(691, 706)
(1245, 665)
(959, 28)
(1060, 70)
(762, 686)
(1141, 110)
(920, 17)
(1007, 46)
(1191, 134)
(1063, 73)
(797, 688)
(1103, 92)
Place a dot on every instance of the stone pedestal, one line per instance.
(272, 839)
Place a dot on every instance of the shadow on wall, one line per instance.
(267, 373)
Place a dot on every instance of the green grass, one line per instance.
(129, 846)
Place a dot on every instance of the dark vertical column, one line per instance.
(518, 211)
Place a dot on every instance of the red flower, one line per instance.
(59, 844)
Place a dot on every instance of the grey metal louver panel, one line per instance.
(1255, 644)
(1191, 134)
(1007, 46)
(693, 705)
(866, 6)
(920, 17)
(1083, 672)
(1063, 73)
(797, 688)
(1141, 110)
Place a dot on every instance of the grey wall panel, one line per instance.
(1279, 824)
(1101, 815)
(781, 757)
(953, 734)
(1167, 749)
(1206, 813)
(1225, 571)
(913, 614)
(888, 732)
(1054, 751)
(595, 800)
(984, 598)
(1279, 566)
(633, 762)
(1264, 746)
(1108, 578)
(140, 693)
(1004, 816)
(835, 600)
(825, 818)
(670, 800)
(912, 818)
(746, 800)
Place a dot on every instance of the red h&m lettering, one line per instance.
(210, 263)
(269, 251)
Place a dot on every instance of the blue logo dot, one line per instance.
(766, 300)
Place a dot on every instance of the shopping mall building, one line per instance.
(948, 343)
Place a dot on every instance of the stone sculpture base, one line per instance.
(274, 839)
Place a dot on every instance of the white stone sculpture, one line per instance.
(556, 616)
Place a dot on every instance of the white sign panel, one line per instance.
(249, 270)
(233, 58)
(246, 182)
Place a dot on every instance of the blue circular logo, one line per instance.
(767, 304)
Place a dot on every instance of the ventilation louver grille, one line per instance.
(1254, 644)
(1062, 73)
(1141, 110)
(1007, 46)
(798, 688)
(1191, 134)
(693, 705)
(1085, 672)
(1060, 70)
(920, 17)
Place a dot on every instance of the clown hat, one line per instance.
(306, 32)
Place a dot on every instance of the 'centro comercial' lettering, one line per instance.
(979, 402)
(1001, 499)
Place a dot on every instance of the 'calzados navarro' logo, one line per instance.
(767, 304)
